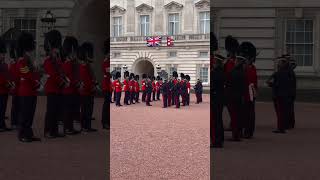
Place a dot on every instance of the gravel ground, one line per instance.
(81, 157)
(291, 156)
(151, 143)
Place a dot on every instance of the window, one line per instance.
(299, 41)
(145, 25)
(204, 74)
(117, 26)
(27, 25)
(172, 54)
(204, 22)
(173, 24)
(203, 54)
(172, 69)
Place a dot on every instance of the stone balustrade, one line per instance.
(177, 38)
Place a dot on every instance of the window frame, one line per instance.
(205, 21)
(175, 22)
(120, 26)
(201, 73)
(145, 23)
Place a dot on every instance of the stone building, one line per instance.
(187, 21)
(88, 20)
(275, 27)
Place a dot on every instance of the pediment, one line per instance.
(144, 8)
(117, 9)
(203, 4)
(173, 6)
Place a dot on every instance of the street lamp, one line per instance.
(158, 68)
(125, 68)
(48, 22)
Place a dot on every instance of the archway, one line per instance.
(90, 22)
(143, 67)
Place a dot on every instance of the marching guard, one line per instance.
(137, 88)
(165, 92)
(188, 85)
(126, 88)
(149, 89)
(154, 89)
(158, 84)
(117, 89)
(143, 87)
(132, 88)
(198, 88)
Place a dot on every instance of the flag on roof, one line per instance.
(154, 41)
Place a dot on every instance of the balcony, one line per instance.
(177, 38)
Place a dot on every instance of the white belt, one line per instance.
(105, 76)
(22, 79)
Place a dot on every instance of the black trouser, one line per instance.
(87, 103)
(249, 120)
(132, 97)
(3, 108)
(126, 97)
(173, 99)
(71, 110)
(53, 114)
(137, 96)
(158, 95)
(154, 95)
(148, 98)
(144, 94)
(188, 99)
(177, 100)
(105, 110)
(217, 131)
(282, 105)
(165, 100)
(118, 98)
(14, 110)
(27, 107)
(237, 122)
(114, 96)
(291, 121)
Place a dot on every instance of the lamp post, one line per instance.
(158, 68)
(48, 22)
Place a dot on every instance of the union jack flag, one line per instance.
(154, 41)
(170, 41)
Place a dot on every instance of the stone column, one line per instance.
(158, 20)
(130, 25)
(188, 17)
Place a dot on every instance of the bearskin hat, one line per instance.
(89, 49)
(118, 75)
(214, 41)
(174, 74)
(53, 39)
(188, 77)
(231, 44)
(158, 78)
(70, 44)
(144, 76)
(131, 76)
(248, 50)
(3, 47)
(106, 45)
(25, 43)
(81, 54)
(136, 77)
(126, 74)
(182, 75)
(13, 50)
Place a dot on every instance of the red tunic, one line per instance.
(157, 85)
(251, 78)
(126, 85)
(143, 85)
(188, 87)
(228, 67)
(106, 78)
(13, 71)
(111, 86)
(54, 81)
(29, 80)
(87, 81)
(70, 72)
(117, 86)
(4, 89)
(131, 85)
(137, 86)
(153, 86)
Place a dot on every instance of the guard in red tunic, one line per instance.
(117, 88)
(137, 88)
(13, 71)
(170, 93)
(88, 90)
(56, 81)
(132, 88)
(70, 94)
(4, 85)
(175, 89)
(143, 87)
(165, 92)
(106, 87)
(231, 45)
(158, 87)
(188, 90)
(27, 89)
(126, 88)
(149, 89)
(154, 89)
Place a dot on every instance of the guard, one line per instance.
(143, 87)
(165, 92)
(117, 88)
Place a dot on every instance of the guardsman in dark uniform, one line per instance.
(174, 88)
(198, 91)
(165, 92)
(55, 83)
(143, 87)
(126, 88)
(292, 66)
(188, 90)
(137, 88)
(88, 89)
(15, 83)
(117, 88)
(5, 86)
(106, 87)
(27, 89)
(132, 88)
(251, 91)
(149, 90)
(170, 87)
(216, 101)
(70, 94)
(238, 89)
(183, 89)
(177, 92)
(158, 87)
(231, 45)
(154, 89)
